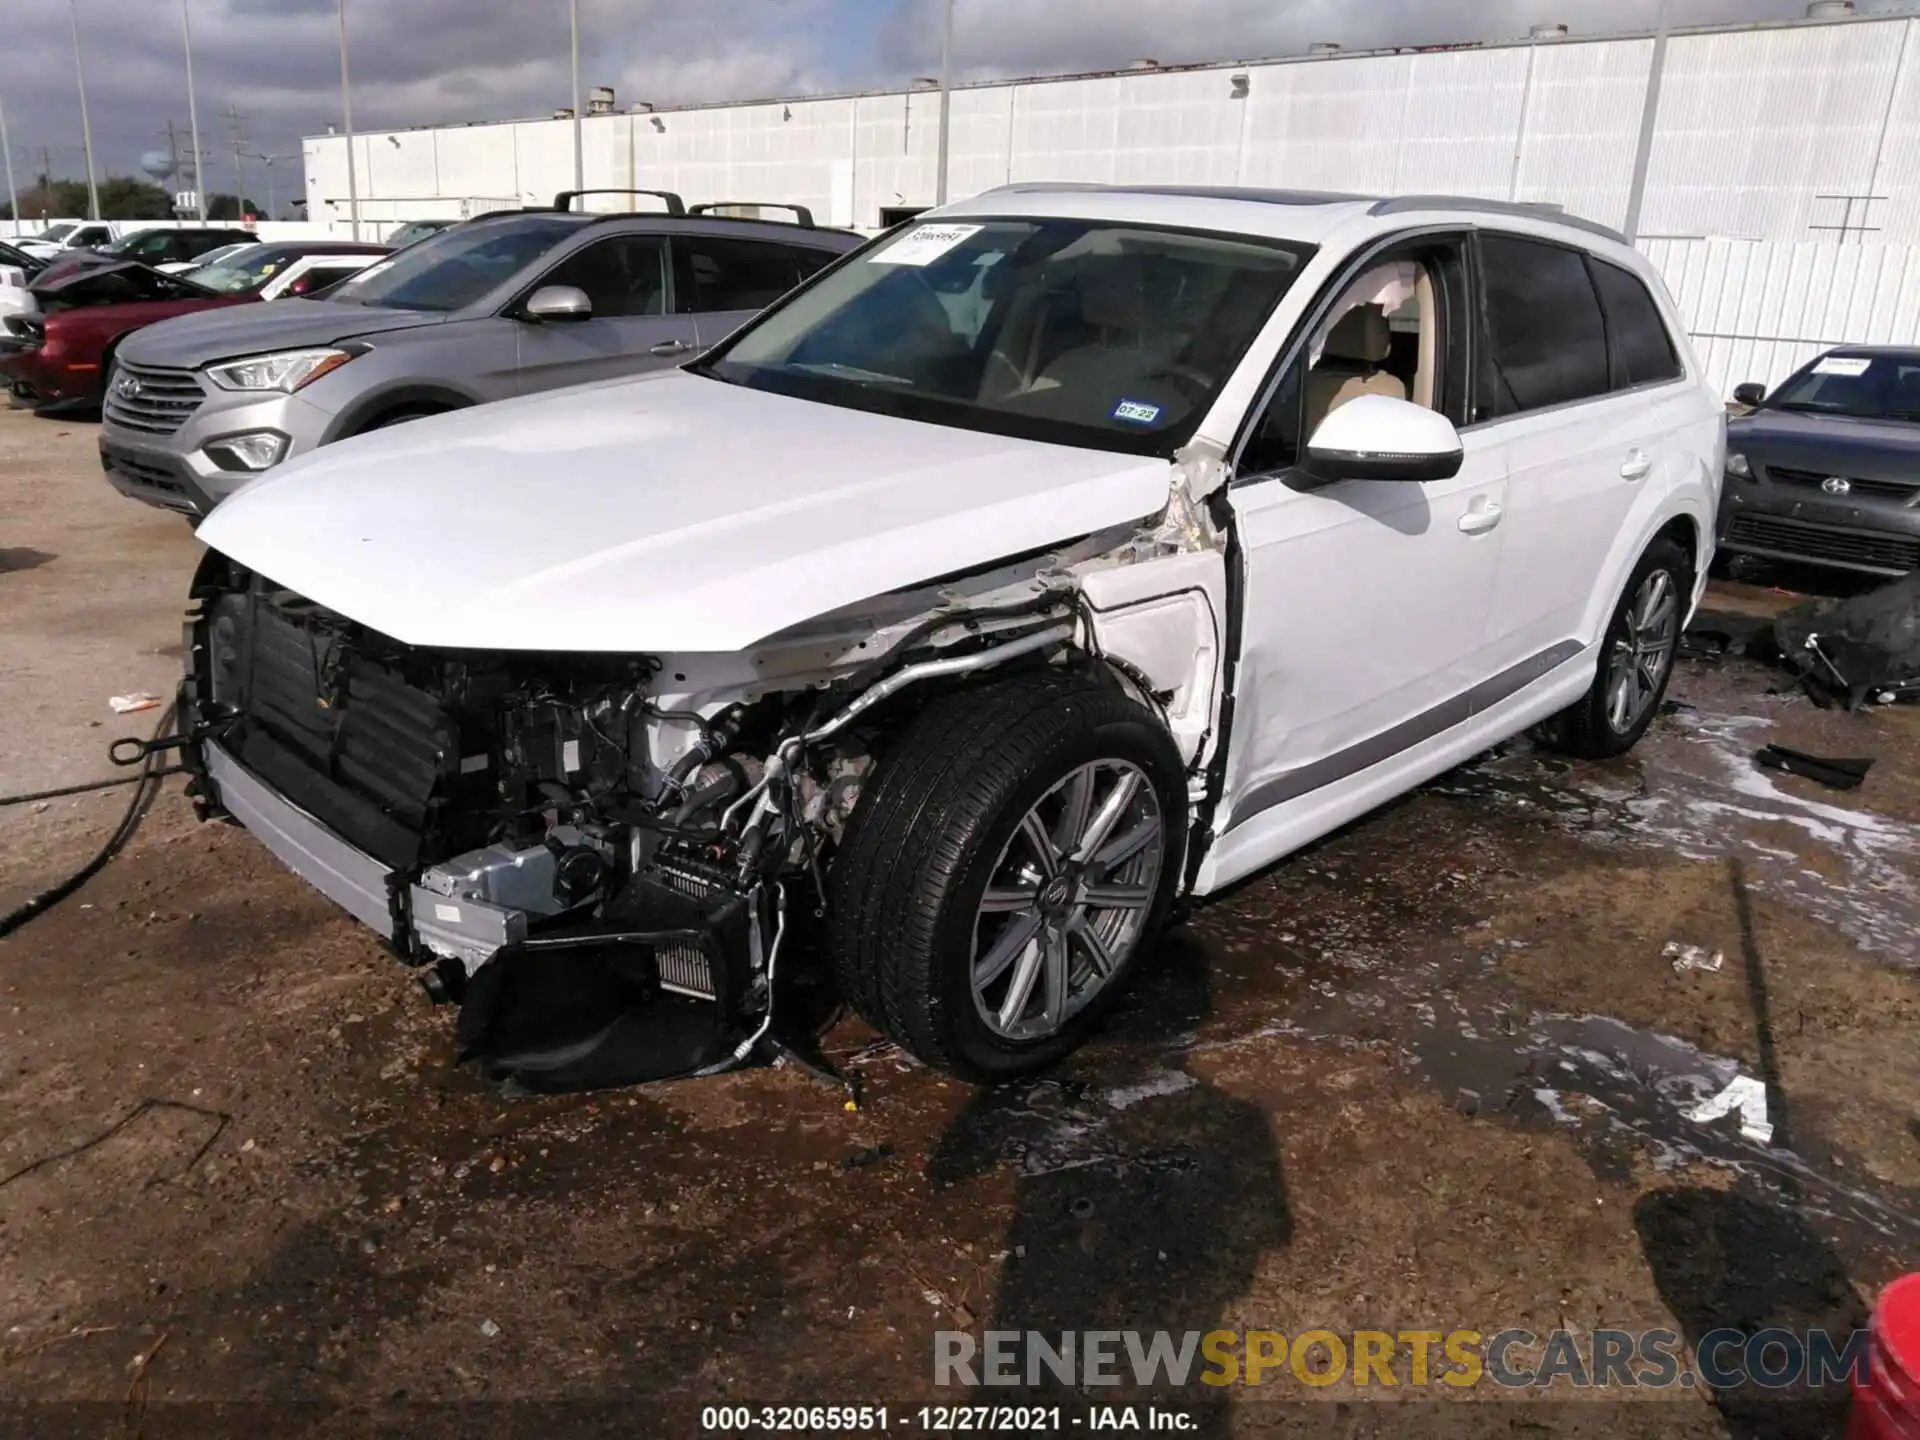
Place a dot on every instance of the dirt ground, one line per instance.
(1430, 1075)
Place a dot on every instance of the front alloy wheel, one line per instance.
(1069, 900)
(1009, 862)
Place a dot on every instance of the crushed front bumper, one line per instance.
(356, 882)
(579, 1007)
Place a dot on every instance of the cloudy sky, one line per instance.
(417, 62)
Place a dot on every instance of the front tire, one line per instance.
(1015, 853)
(1636, 660)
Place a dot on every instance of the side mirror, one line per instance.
(1375, 437)
(1750, 395)
(559, 302)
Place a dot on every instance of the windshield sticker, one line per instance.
(1136, 412)
(923, 245)
(1843, 365)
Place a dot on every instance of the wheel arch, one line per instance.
(371, 409)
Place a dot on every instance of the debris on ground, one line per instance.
(1692, 957)
(134, 703)
(1834, 774)
(1850, 651)
(1749, 1097)
(489, 1329)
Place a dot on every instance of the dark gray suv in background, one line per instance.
(501, 305)
(1826, 470)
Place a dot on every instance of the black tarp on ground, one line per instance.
(1849, 652)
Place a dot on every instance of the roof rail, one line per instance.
(801, 214)
(1401, 204)
(675, 205)
(1254, 194)
(492, 215)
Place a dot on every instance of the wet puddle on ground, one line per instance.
(1347, 952)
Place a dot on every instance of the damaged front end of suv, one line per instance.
(632, 867)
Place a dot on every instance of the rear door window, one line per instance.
(1643, 352)
(1547, 340)
(727, 274)
(810, 262)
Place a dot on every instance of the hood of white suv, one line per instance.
(665, 513)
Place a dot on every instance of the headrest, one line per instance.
(1361, 334)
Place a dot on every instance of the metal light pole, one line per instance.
(579, 154)
(1649, 116)
(86, 125)
(13, 194)
(346, 115)
(946, 102)
(193, 115)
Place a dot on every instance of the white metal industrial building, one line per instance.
(1781, 192)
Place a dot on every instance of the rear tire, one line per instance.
(1636, 660)
(1014, 854)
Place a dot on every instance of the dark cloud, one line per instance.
(433, 61)
(1011, 37)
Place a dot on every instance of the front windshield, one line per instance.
(57, 232)
(453, 269)
(243, 272)
(1103, 334)
(1879, 387)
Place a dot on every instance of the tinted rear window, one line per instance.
(736, 274)
(1643, 351)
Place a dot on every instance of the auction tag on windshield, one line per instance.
(923, 245)
(1842, 365)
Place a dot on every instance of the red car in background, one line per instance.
(53, 360)
(57, 359)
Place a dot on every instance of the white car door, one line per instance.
(1581, 426)
(1364, 602)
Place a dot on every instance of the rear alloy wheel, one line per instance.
(1011, 859)
(1636, 660)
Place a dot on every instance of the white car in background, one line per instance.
(15, 298)
(212, 257)
(1062, 554)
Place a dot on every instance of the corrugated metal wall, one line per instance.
(1773, 146)
(1759, 310)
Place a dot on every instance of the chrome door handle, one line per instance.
(669, 347)
(1638, 467)
(1481, 519)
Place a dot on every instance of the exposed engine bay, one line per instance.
(608, 861)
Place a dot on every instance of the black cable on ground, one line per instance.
(146, 785)
(135, 779)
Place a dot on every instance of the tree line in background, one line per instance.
(121, 198)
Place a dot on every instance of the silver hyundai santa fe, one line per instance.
(500, 306)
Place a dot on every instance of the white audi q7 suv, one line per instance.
(1062, 555)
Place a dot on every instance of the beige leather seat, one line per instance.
(1350, 365)
(1134, 335)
